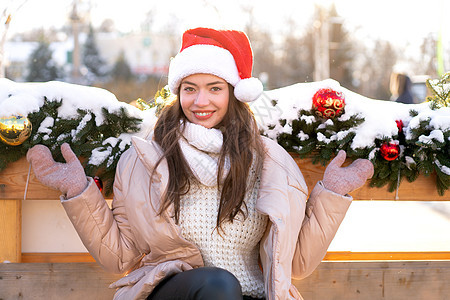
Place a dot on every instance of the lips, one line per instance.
(203, 115)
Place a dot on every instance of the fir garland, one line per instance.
(82, 134)
(424, 142)
(313, 137)
(425, 148)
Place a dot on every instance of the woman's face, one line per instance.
(204, 99)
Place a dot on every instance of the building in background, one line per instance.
(147, 54)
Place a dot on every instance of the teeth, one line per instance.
(202, 114)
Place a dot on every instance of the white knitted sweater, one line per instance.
(236, 248)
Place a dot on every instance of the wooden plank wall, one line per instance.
(331, 280)
(413, 280)
(55, 281)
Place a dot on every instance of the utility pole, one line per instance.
(76, 57)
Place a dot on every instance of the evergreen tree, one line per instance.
(41, 65)
(121, 69)
(91, 56)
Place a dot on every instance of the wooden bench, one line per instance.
(342, 275)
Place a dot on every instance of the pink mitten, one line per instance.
(344, 180)
(69, 178)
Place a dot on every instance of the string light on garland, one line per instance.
(390, 151)
(328, 103)
(14, 130)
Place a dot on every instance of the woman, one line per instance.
(400, 86)
(206, 208)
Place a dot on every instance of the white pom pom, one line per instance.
(248, 89)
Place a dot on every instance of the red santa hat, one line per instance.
(223, 53)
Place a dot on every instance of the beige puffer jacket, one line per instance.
(131, 236)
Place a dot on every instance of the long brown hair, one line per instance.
(242, 145)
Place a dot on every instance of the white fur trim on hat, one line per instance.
(207, 59)
(248, 89)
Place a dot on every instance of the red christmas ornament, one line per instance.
(389, 151)
(399, 125)
(99, 183)
(328, 103)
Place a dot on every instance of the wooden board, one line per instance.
(10, 230)
(69, 281)
(13, 182)
(422, 189)
(413, 280)
(52, 257)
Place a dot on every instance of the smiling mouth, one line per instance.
(203, 115)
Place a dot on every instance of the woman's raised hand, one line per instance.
(69, 177)
(343, 180)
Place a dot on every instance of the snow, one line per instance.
(444, 169)
(441, 119)
(82, 124)
(307, 119)
(46, 125)
(99, 155)
(25, 98)
(436, 135)
(379, 115)
(302, 136)
(342, 134)
(409, 161)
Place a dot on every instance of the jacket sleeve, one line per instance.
(324, 213)
(105, 232)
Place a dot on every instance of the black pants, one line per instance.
(201, 283)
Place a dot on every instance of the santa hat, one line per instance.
(223, 53)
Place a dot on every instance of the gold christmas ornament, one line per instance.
(14, 130)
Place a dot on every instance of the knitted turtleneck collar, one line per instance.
(201, 147)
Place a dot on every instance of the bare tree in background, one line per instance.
(264, 51)
(300, 52)
(298, 56)
(376, 70)
(5, 19)
(427, 63)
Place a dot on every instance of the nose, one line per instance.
(202, 98)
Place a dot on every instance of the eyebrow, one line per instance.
(208, 84)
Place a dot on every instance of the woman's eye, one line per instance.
(216, 89)
(189, 89)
